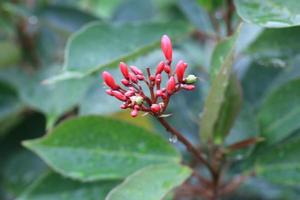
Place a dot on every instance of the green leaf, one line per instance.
(271, 44)
(262, 75)
(281, 163)
(93, 148)
(16, 176)
(269, 13)
(48, 98)
(230, 109)
(101, 45)
(9, 100)
(150, 183)
(210, 4)
(10, 53)
(197, 15)
(218, 93)
(52, 186)
(280, 112)
(134, 11)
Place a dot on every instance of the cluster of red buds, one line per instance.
(156, 103)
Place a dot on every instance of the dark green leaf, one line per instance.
(20, 170)
(150, 183)
(217, 94)
(94, 148)
(9, 101)
(52, 186)
(258, 74)
(210, 4)
(280, 164)
(197, 15)
(134, 10)
(271, 13)
(101, 45)
(280, 112)
(230, 109)
(276, 45)
(10, 53)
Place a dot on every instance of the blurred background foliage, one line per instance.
(33, 39)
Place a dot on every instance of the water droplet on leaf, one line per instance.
(173, 139)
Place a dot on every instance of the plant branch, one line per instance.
(228, 17)
(187, 144)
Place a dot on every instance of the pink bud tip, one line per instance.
(125, 82)
(136, 107)
(159, 93)
(134, 113)
(166, 47)
(158, 79)
(152, 78)
(167, 69)
(180, 69)
(119, 95)
(140, 77)
(109, 80)
(155, 108)
(109, 92)
(129, 93)
(123, 106)
(136, 70)
(124, 69)
(188, 87)
(133, 77)
(160, 67)
(171, 85)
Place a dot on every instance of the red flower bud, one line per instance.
(160, 67)
(167, 69)
(134, 113)
(140, 77)
(159, 93)
(136, 70)
(155, 108)
(171, 85)
(152, 78)
(125, 82)
(133, 78)
(129, 93)
(158, 79)
(109, 80)
(180, 69)
(119, 95)
(124, 70)
(123, 106)
(166, 47)
(109, 92)
(188, 87)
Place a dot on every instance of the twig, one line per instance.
(189, 146)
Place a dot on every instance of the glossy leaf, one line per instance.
(52, 186)
(196, 14)
(280, 164)
(271, 13)
(230, 109)
(271, 44)
(279, 113)
(94, 148)
(101, 45)
(16, 176)
(262, 75)
(48, 98)
(9, 100)
(217, 95)
(150, 183)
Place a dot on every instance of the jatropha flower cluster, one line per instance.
(131, 92)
